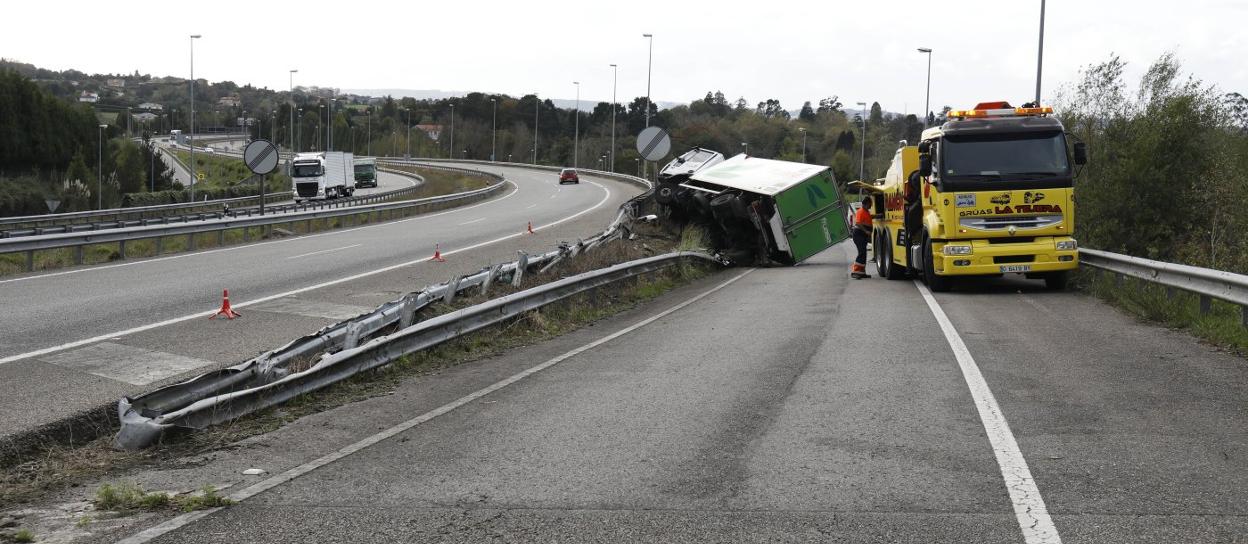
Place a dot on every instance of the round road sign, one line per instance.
(654, 144)
(261, 156)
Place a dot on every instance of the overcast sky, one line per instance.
(792, 51)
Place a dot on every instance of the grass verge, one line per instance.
(128, 497)
(1174, 308)
(56, 466)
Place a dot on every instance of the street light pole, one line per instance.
(1040, 54)
(576, 135)
(291, 144)
(649, 66)
(803, 131)
(928, 100)
(369, 150)
(191, 137)
(494, 130)
(862, 161)
(451, 149)
(537, 111)
(408, 155)
(615, 78)
(99, 173)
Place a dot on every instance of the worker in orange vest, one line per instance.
(862, 233)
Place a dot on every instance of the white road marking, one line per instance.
(515, 189)
(471, 222)
(124, 363)
(255, 489)
(311, 308)
(1033, 515)
(323, 251)
(531, 206)
(422, 260)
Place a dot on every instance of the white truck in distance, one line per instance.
(321, 176)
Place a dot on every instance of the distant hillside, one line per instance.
(437, 94)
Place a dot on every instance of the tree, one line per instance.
(807, 114)
(77, 171)
(772, 109)
(877, 115)
(830, 104)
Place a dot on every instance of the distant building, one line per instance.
(432, 130)
(116, 83)
(230, 101)
(151, 106)
(89, 97)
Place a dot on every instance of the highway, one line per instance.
(775, 405)
(83, 337)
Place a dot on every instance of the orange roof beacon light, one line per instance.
(998, 109)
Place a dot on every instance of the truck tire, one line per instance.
(1056, 281)
(937, 283)
(665, 194)
(878, 251)
(891, 270)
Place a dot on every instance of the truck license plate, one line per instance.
(1005, 269)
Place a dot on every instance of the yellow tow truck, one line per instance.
(987, 193)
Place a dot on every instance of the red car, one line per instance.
(568, 175)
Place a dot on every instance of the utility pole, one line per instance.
(1040, 54)
(649, 67)
(291, 144)
(862, 161)
(576, 136)
(369, 151)
(537, 111)
(191, 137)
(615, 78)
(494, 130)
(99, 173)
(927, 102)
(452, 147)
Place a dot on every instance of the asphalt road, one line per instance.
(84, 337)
(789, 405)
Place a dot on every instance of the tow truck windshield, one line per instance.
(992, 161)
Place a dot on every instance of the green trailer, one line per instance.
(795, 209)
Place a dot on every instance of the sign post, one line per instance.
(261, 158)
(653, 144)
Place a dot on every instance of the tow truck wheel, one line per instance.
(1056, 281)
(891, 270)
(938, 284)
(878, 249)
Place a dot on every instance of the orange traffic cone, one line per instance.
(225, 308)
(437, 254)
(530, 227)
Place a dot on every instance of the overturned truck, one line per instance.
(756, 211)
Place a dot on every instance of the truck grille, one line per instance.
(1002, 223)
(307, 189)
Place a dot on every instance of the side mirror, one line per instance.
(1081, 153)
(925, 165)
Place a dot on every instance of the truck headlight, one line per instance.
(1067, 245)
(956, 250)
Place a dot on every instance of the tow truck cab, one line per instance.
(993, 194)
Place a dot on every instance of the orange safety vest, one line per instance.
(862, 219)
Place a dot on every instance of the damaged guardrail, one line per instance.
(345, 348)
(1206, 282)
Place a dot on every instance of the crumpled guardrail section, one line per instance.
(1206, 282)
(267, 379)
